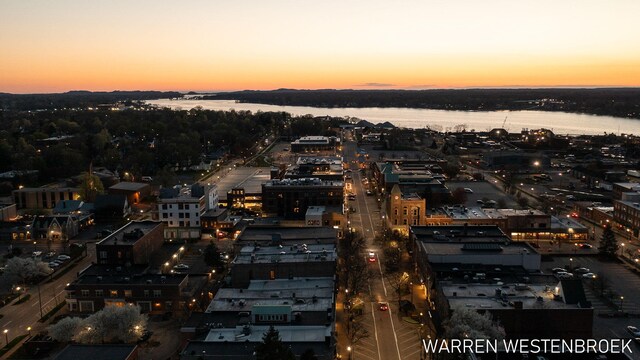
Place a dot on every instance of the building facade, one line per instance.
(181, 209)
(290, 198)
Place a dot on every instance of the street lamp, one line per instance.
(622, 249)
(570, 263)
(34, 246)
(6, 336)
(18, 290)
(29, 330)
(621, 301)
(349, 351)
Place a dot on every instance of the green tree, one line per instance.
(608, 243)
(212, 256)
(272, 347)
(90, 187)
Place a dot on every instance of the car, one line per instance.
(564, 275)
(585, 246)
(50, 254)
(557, 270)
(479, 201)
(383, 306)
(64, 257)
(468, 191)
(589, 275)
(145, 336)
(181, 267)
(36, 254)
(633, 330)
(352, 209)
(369, 192)
(372, 257)
(582, 270)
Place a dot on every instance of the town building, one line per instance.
(404, 210)
(423, 177)
(181, 209)
(627, 215)
(111, 207)
(282, 262)
(321, 167)
(276, 235)
(98, 352)
(290, 198)
(8, 212)
(44, 197)
(55, 227)
(134, 191)
(132, 244)
(314, 144)
(323, 216)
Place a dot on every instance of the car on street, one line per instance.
(53, 264)
(371, 257)
(564, 275)
(582, 270)
(383, 306)
(145, 336)
(64, 257)
(468, 190)
(633, 331)
(368, 192)
(585, 246)
(557, 270)
(181, 267)
(589, 275)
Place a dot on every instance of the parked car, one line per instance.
(53, 264)
(564, 275)
(589, 275)
(181, 267)
(468, 191)
(50, 254)
(36, 254)
(585, 246)
(633, 331)
(557, 270)
(64, 257)
(145, 336)
(582, 270)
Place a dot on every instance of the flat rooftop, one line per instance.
(566, 223)
(483, 296)
(129, 186)
(96, 352)
(295, 284)
(308, 333)
(319, 160)
(479, 249)
(139, 279)
(248, 178)
(130, 233)
(312, 182)
(299, 235)
(298, 300)
(459, 233)
(286, 254)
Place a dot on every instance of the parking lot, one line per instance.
(482, 190)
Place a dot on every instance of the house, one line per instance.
(134, 191)
(55, 227)
(181, 209)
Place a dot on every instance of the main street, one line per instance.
(389, 337)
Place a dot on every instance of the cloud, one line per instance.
(421, 87)
(375, 84)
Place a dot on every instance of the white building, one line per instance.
(180, 208)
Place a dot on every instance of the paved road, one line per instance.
(390, 338)
(16, 318)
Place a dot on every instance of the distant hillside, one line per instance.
(76, 99)
(621, 102)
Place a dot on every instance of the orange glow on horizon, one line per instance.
(217, 46)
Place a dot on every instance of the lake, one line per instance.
(442, 120)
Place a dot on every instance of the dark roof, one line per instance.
(573, 292)
(96, 352)
(109, 201)
(46, 221)
(245, 350)
(129, 186)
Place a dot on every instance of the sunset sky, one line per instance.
(201, 45)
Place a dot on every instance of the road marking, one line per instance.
(394, 333)
(382, 277)
(5, 325)
(375, 329)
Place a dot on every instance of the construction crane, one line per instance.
(504, 122)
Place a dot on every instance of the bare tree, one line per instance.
(398, 282)
(357, 331)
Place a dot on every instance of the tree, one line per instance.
(357, 331)
(23, 270)
(65, 329)
(459, 196)
(272, 347)
(113, 324)
(501, 203)
(398, 282)
(90, 187)
(523, 201)
(468, 323)
(608, 243)
(212, 256)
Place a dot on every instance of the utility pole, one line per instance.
(40, 301)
